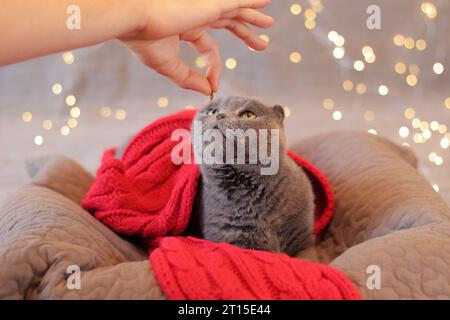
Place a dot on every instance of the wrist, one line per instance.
(135, 12)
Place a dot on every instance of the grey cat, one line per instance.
(238, 205)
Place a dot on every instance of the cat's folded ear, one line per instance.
(279, 112)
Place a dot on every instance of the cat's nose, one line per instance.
(220, 116)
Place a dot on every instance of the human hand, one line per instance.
(167, 23)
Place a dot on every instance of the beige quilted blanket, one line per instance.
(390, 233)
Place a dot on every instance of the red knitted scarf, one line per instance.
(147, 195)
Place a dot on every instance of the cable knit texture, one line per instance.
(145, 194)
(190, 268)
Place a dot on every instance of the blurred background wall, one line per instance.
(323, 64)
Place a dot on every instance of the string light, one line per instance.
(429, 10)
(310, 24)
(367, 51)
(421, 44)
(347, 85)
(310, 14)
(445, 143)
(38, 140)
(371, 59)
(57, 88)
(410, 113)
(372, 131)
(72, 123)
(438, 68)
(383, 90)
(328, 104)
(71, 100)
(400, 68)
(409, 43)
(368, 54)
(403, 132)
(358, 65)
(337, 115)
(47, 124)
(340, 41)
(418, 138)
(339, 52)
(296, 9)
(231, 63)
(75, 112)
(27, 116)
(411, 80)
(434, 125)
(361, 88)
(416, 123)
(399, 40)
(68, 57)
(105, 112)
(332, 36)
(439, 161)
(424, 125)
(447, 103)
(200, 62)
(432, 157)
(120, 114)
(436, 187)
(65, 130)
(295, 57)
(426, 134)
(163, 102)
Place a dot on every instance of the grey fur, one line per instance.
(238, 205)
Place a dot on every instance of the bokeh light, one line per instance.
(231, 63)
(27, 116)
(295, 57)
(38, 140)
(296, 9)
(438, 68)
(383, 90)
(163, 102)
(57, 88)
(120, 114)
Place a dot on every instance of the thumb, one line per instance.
(186, 78)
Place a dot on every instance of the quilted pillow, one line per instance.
(388, 217)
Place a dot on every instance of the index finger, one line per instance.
(205, 44)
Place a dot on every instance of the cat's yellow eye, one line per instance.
(211, 112)
(248, 115)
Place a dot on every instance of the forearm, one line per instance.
(31, 28)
